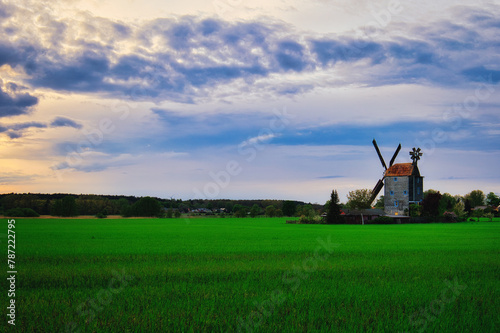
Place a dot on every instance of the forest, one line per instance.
(67, 205)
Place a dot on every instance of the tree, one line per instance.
(333, 213)
(430, 204)
(255, 210)
(147, 207)
(289, 208)
(476, 198)
(240, 210)
(380, 203)
(21, 212)
(65, 207)
(467, 207)
(478, 212)
(359, 199)
(492, 199)
(270, 211)
(306, 210)
(123, 206)
(415, 210)
(446, 203)
(430, 191)
(459, 209)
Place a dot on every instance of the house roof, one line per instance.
(373, 211)
(400, 170)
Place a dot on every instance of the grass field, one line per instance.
(255, 275)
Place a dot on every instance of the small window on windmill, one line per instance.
(405, 192)
(395, 179)
(418, 180)
(396, 203)
(418, 190)
(392, 192)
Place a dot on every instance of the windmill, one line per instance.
(380, 183)
(402, 181)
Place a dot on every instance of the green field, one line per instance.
(254, 275)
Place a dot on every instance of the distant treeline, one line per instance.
(60, 204)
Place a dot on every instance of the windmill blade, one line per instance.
(379, 154)
(394, 156)
(376, 190)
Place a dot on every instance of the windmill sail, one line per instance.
(376, 190)
(379, 154)
(394, 156)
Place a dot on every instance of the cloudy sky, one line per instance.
(246, 99)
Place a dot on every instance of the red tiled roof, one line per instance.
(400, 170)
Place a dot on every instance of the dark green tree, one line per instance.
(430, 204)
(65, 207)
(255, 210)
(380, 204)
(467, 207)
(270, 211)
(333, 213)
(289, 208)
(147, 207)
(446, 203)
(478, 212)
(415, 210)
(492, 199)
(241, 212)
(476, 198)
(306, 210)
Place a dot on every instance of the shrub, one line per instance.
(382, 220)
(21, 212)
(311, 220)
(101, 215)
(450, 217)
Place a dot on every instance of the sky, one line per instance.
(246, 99)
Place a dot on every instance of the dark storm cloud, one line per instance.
(330, 51)
(290, 56)
(15, 131)
(14, 103)
(482, 74)
(65, 122)
(22, 126)
(17, 54)
(85, 73)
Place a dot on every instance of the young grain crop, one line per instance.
(259, 275)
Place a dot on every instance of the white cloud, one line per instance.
(257, 140)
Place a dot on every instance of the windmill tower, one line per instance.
(402, 183)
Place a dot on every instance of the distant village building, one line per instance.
(361, 216)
